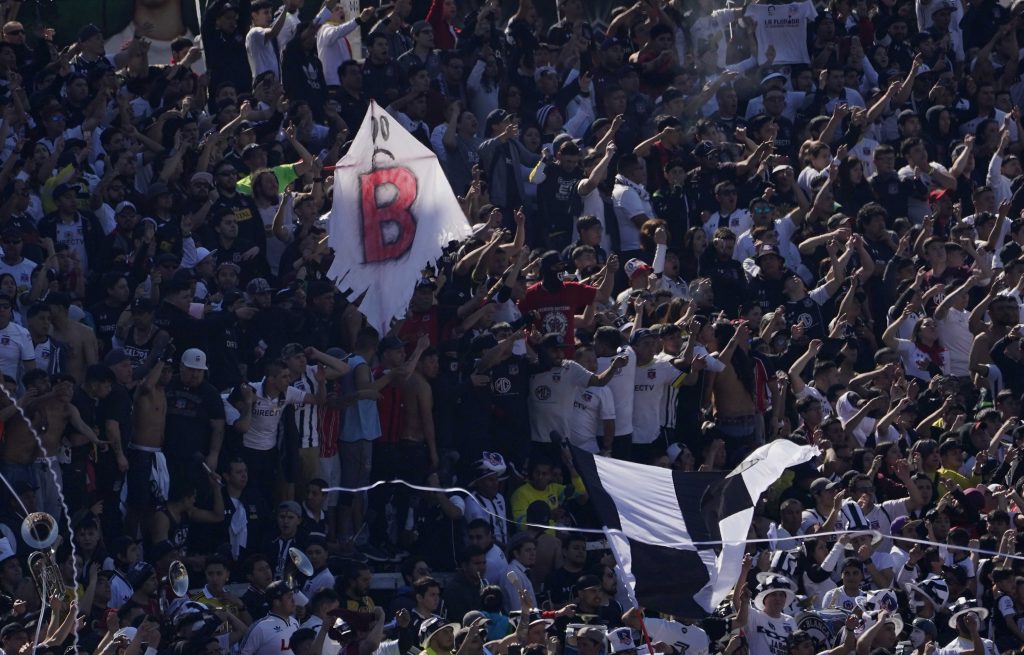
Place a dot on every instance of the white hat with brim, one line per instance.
(432, 630)
(870, 618)
(771, 585)
(963, 606)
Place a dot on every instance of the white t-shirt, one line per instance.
(22, 272)
(621, 386)
(590, 408)
(768, 636)
(73, 235)
(593, 205)
(808, 390)
(480, 507)
(259, 48)
(551, 396)
(955, 335)
(651, 382)
(916, 208)
(785, 27)
(916, 361)
(15, 348)
(686, 639)
(962, 645)
(266, 414)
(630, 200)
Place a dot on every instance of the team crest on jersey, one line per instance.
(502, 385)
(587, 396)
(556, 377)
(5, 340)
(651, 374)
(542, 392)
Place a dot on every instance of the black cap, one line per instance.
(276, 590)
(142, 306)
(552, 340)
(705, 149)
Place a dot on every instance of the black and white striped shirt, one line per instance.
(307, 417)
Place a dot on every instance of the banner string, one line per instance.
(605, 531)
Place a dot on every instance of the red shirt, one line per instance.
(558, 310)
(418, 323)
(389, 406)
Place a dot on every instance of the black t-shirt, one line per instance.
(105, 320)
(189, 412)
(560, 586)
(185, 330)
(117, 406)
(250, 225)
(558, 200)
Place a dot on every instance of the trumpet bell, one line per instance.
(39, 531)
(177, 578)
(300, 562)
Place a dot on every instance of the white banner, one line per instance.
(394, 212)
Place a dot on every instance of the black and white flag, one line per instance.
(653, 516)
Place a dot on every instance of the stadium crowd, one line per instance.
(697, 227)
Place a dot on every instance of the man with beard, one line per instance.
(558, 302)
(558, 199)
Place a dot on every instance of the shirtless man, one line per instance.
(80, 340)
(48, 405)
(734, 410)
(145, 458)
(19, 448)
(1004, 313)
(419, 414)
(143, 341)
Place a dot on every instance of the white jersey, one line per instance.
(621, 386)
(686, 639)
(307, 417)
(591, 407)
(269, 636)
(651, 381)
(550, 403)
(738, 221)
(334, 49)
(15, 347)
(955, 336)
(266, 414)
(768, 636)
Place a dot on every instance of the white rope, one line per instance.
(64, 507)
(605, 531)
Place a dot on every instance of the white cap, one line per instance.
(203, 253)
(194, 358)
(128, 633)
(124, 204)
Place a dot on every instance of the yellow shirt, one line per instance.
(553, 495)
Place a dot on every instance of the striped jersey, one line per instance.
(307, 417)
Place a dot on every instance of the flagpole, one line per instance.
(643, 629)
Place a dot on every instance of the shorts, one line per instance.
(139, 477)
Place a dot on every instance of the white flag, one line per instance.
(393, 213)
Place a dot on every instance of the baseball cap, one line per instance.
(419, 26)
(822, 484)
(637, 267)
(473, 615)
(593, 634)
(290, 506)
(938, 194)
(292, 349)
(767, 249)
(705, 149)
(201, 177)
(588, 581)
(115, 357)
(671, 94)
(61, 189)
(772, 76)
(123, 205)
(552, 340)
(194, 358)
(490, 464)
(88, 31)
(142, 306)
(258, 285)
(238, 269)
(390, 342)
(642, 333)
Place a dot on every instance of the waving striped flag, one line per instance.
(655, 520)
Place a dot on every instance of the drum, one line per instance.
(823, 625)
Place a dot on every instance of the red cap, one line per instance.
(938, 194)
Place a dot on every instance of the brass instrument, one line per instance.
(298, 565)
(176, 581)
(39, 532)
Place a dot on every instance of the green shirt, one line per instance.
(285, 175)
